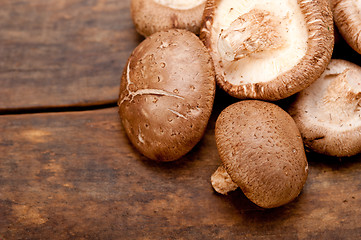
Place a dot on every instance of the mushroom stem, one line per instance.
(343, 95)
(252, 32)
(222, 182)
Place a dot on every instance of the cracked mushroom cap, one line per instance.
(328, 113)
(166, 94)
(267, 49)
(262, 151)
(348, 21)
(150, 16)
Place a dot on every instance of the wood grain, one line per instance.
(63, 52)
(75, 176)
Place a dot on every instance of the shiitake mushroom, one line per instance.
(267, 49)
(151, 16)
(261, 151)
(348, 21)
(166, 94)
(328, 113)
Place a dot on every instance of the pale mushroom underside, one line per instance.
(267, 49)
(265, 65)
(328, 112)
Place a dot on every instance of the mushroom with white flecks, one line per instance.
(328, 113)
(150, 16)
(261, 151)
(166, 94)
(267, 49)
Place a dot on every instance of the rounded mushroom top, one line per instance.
(328, 113)
(166, 94)
(262, 150)
(348, 21)
(150, 16)
(267, 49)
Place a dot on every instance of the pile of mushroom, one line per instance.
(256, 51)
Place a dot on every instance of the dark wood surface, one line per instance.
(63, 52)
(74, 175)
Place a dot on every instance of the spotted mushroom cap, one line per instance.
(262, 151)
(166, 94)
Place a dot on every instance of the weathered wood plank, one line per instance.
(75, 176)
(63, 52)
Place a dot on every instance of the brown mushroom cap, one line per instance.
(328, 113)
(166, 94)
(262, 151)
(265, 49)
(150, 16)
(348, 21)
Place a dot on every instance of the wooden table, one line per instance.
(67, 170)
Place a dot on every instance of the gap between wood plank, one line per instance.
(52, 109)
